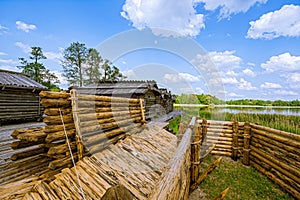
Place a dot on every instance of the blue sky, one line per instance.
(254, 45)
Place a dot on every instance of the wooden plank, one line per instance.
(45, 191)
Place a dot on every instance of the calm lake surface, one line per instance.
(246, 109)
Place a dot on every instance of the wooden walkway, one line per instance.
(136, 163)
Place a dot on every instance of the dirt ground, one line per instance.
(198, 194)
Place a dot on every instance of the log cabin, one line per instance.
(158, 101)
(19, 97)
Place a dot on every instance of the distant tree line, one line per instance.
(81, 66)
(207, 99)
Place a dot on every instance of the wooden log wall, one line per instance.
(227, 138)
(175, 181)
(276, 154)
(99, 121)
(272, 152)
(19, 104)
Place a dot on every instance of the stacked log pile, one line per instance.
(98, 122)
(276, 154)
(101, 121)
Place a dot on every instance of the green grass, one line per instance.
(243, 182)
(174, 124)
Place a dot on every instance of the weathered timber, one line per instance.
(62, 162)
(98, 138)
(56, 120)
(207, 152)
(59, 135)
(32, 136)
(62, 148)
(246, 148)
(55, 111)
(96, 104)
(93, 116)
(277, 132)
(23, 144)
(106, 98)
(222, 195)
(195, 153)
(281, 167)
(77, 120)
(277, 142)
(111, 125)
(56, 103)
(276, 151)
(57, 128)
(205, 174)
(54, 95)
(287, 141)
(28, 153)
(118, 193)
(17, 132)
(32, 196)
(235, 140)
(221, 153)
(173, 180)
(45, 191)
(275, 178)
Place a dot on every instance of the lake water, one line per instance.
(281, 111)
(246, 109)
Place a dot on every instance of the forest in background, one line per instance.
(207, 99)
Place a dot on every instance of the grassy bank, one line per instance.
(243, 182)
(287, 123)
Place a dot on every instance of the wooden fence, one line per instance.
(175, 181)
(272, 152)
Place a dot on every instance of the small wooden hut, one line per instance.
(19, 97)
(158, 101)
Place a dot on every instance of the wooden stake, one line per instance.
(205, 174)
(80, 147)
(246, 150)
(235, 128)
(222, 195)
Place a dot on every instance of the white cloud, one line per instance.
(231, 73)
(9, 68)
(25, 27)
(199, 90)
(285, 92)
(229, 80)
(268, 85)
(283, 22)
(53, 56)
(25, 48)
(3, 29)
(232, 94)
(3, 54)
(249, 72)
(245, 85)
(181, 77)
(178, 16)
(225, 60)
(228, 7)
(283, 63)
(293, 77)
(8, 61)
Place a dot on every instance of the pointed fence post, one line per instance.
(235, 135)
(204, 129)
(247, 137)
(195, 152)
